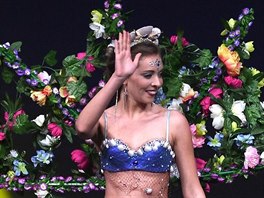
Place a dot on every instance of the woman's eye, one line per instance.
(147, 76)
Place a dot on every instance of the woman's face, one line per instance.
(144, 83)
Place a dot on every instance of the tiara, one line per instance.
(146, 33)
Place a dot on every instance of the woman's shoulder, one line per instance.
(178, 119)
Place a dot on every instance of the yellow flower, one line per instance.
(41, 96)
(97, 16)
(261, 83)
(234, 126)
(200, 128)
(249, 46)
(11, 175)
(254, 71)
(72, 79)
(219, 160)
(70, 100)
(230, 59)
(63, 92)
(231, 23)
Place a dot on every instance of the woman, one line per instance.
(138, 138)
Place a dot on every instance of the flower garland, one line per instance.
(220, 98)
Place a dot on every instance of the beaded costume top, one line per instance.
(153, 156)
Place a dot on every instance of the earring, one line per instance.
(125, 96)
(116, 101)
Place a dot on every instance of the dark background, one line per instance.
(63, 26)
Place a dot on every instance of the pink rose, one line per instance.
(200, 163)
(193, 129)
(205, 103)
(89, 66)
(207, 188)
(233, 82)
(81, 55)
(54, 129)
(198, 141)
(251, 157)
(2, 136)
(216, 92)
(174, 39)
(80, 158)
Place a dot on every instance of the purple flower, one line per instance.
(101, 83)
(245, 11)
(114, 16)
(237, 32)
(65, 111)
(118, 6)
(83, 101)
(214, 176)
(106, 4)
(20, 72)
(120, 23)
(27, 71)
(218, 71)
(232, 34)
(237, 43)
(15, 65)
(34, 82)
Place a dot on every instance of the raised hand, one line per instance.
(124, 65)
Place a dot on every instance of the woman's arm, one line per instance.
(88, 121)
(182, 144)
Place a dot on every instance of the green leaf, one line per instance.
(205, 58)
(68, 131)
(173, 87)
(7, 75)
(258, 130)
(23, 125)
(16, 45)
(78, 89)
(50, 58)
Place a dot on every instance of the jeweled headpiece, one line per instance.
(146, 33)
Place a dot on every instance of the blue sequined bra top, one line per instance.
(153, 156)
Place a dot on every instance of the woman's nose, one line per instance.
(157, 81)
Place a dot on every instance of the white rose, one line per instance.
(175, 104)
(41, 193)
(185, 89)
(218, 122)
(39, 120)
(98, 29)
(262, 158)
(49, 141)
(216, 110)
(238, 107)
(262, 104)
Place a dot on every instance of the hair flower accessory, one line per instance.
(146, 33)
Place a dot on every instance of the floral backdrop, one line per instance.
(220, 96)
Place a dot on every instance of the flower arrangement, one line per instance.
(221, 99)
(219, 96)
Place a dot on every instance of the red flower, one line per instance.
(233, 82)
(200, 163)
(54, 129)
(2, 136)
(206, 102)
(174, 39)
(80, 158)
